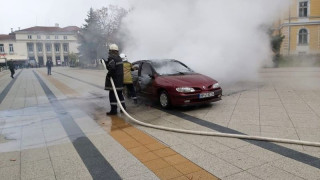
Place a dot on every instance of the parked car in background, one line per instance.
(172, 83)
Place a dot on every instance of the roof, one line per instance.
(7, 37)
(51, 29)
(155, 60)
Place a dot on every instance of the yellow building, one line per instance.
(301, 27)
(39, 44)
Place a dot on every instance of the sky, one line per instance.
(29, 13)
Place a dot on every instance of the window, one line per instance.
(57, 47)
(303, 9)
(303, 37)
(11, 48)
(48, 47)
(30, 47)
(65, 37)
(29, 36)
(39, 47)
(56, 37)
(146, 69)
(1, 48)
(48, 36)
(65, 47)
(38, 36)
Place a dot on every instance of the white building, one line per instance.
(39, 43)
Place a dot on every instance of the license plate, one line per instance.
(206, 95)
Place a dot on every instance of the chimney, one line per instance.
(19, 28)
(12, 30)
(56, 25)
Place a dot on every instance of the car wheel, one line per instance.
(164, 99)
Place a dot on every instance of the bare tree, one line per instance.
(109, 18)
(101, 28)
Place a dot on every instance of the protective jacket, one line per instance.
(49, 64)
(127, 68)
(11, 65)
(115, 70)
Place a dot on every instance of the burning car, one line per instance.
(173, 83)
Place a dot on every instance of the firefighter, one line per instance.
(127, 78)
(114, 65)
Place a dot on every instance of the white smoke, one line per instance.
(222, 39)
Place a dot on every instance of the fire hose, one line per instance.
(207, 133)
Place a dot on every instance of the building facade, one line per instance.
(39, 44)
(301, 27)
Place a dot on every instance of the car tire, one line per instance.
(164, 100)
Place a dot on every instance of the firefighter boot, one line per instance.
(135, 101)
(113, 110)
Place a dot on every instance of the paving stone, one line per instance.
(231, 142)
(149, 176)
(128, 167)
(167, 138)
(74, 176)
(194, 139)
(243, 119)
(213, 147)
(10, 172)
(87, 125)
(297, 168)
(267, 171)
(277, 123)
(216, 166)
(36, 169)
(69, 166)
(109, 148)
(9, 159)
(239, 159)
(241, 175)
(182, 123)
(30, 155)
(259, 153)
(45, 178)
(190, 151)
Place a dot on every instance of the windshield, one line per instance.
(170, 67)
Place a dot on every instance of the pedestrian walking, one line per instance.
(11, 67)
(127, 78)
(49, 65)
(114, 65)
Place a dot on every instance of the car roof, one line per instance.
(154, 60)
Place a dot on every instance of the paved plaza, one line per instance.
(55, 127)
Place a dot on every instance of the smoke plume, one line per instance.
(222, 39)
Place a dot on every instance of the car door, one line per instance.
(135, 74)
(145, 79)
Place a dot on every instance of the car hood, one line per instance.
(188, 80)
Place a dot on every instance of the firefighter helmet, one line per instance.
(113, 47)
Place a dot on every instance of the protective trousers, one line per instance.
(49, 70)
(113, 100)
(12, 72)
(131, 91)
